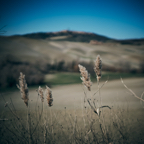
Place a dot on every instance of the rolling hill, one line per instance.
(71, 45)
(67, 35)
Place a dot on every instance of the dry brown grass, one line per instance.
(85, 77)
(23, 88)
(98, 67)
(48, 94)
(41, 94)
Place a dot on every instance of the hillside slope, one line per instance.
(60, 47)
(67, 35)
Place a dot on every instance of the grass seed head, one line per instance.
(48, 94)
(85, 77)
(40, 93)
(98, 67)
(23, 88)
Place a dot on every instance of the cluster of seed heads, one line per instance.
(48, 95)
(86, 77)
(25, 95)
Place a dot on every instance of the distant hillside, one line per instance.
(68, 36)
(68, 46)
(131, 41)
(76, 36)
(71, 46)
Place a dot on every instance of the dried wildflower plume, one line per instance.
(48, 94)
(98, 67)
(23, 88)
(40, 93)
(85, 77)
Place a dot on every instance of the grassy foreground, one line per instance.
(40, 123)
(71, 126)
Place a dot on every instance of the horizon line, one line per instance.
(66, 30)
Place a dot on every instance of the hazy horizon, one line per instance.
(71, 31)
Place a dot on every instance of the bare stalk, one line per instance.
(44, 125)
(25, 96)
(132, 91)
(83, 113)
(98, 69)
(48, 93)
(51, 120)
(29, 126)
(41, 94)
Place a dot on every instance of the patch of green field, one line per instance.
(115, 75)
(73, 78)
(63, 78)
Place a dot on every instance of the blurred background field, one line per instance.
(53, 58)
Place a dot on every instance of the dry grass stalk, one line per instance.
(40, 93)
(132, 91)
(98, 67)
(6, 104)
(49, 98)
(85, 77)
(23, 88)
